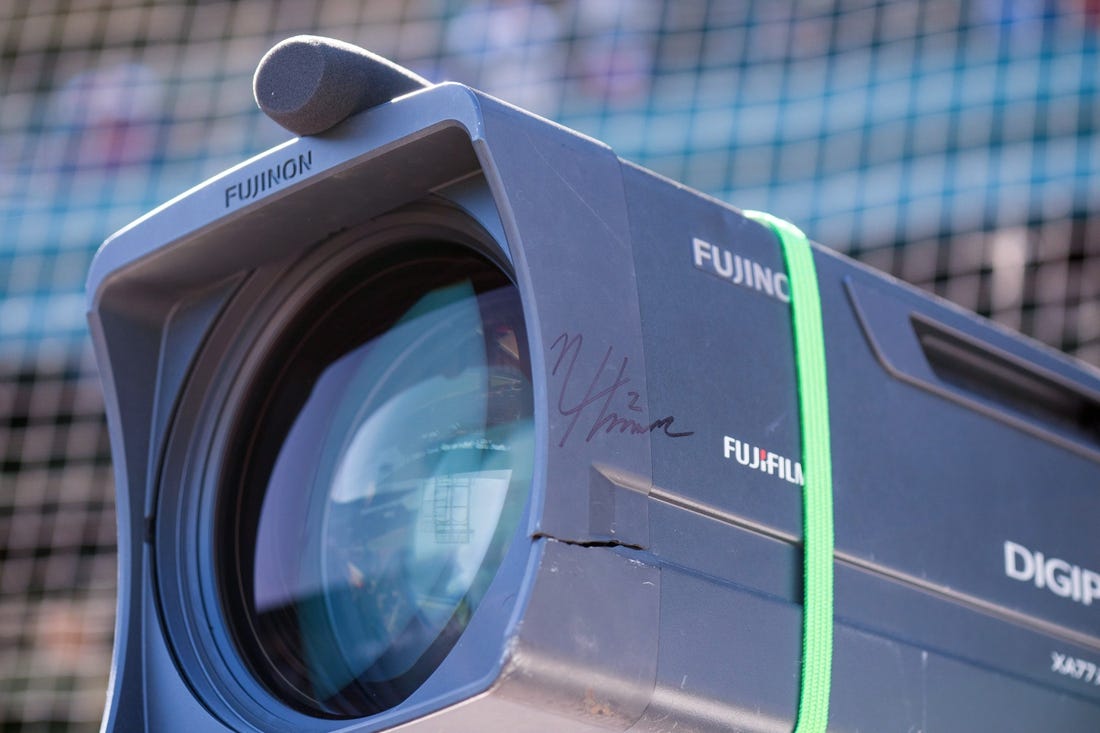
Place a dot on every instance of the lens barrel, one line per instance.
(384, 458)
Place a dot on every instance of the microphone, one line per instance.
(309, 84)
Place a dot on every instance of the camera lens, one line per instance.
(385, 459)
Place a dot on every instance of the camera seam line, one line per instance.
(817, 492)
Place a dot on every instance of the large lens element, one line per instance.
(388, 461)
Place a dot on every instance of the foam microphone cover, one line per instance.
(309, 84)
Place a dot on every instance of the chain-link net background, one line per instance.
(952, 143)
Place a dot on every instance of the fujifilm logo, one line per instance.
(767, 462)
(740, 270)
(1056, 575)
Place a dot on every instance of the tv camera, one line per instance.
(441, 417)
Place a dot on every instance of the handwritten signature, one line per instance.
(606, 420)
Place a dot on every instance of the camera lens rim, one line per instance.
(191, 489)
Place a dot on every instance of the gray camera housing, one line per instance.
(655, 584)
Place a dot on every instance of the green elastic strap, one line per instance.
(817, 490)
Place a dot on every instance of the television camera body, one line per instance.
(648, 576)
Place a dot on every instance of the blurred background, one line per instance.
(953, 143)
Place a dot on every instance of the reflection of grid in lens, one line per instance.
(449, 510)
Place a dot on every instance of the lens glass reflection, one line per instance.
(394, 489)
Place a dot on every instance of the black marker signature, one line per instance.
(607, 420)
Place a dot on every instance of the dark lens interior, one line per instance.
(383, 464)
